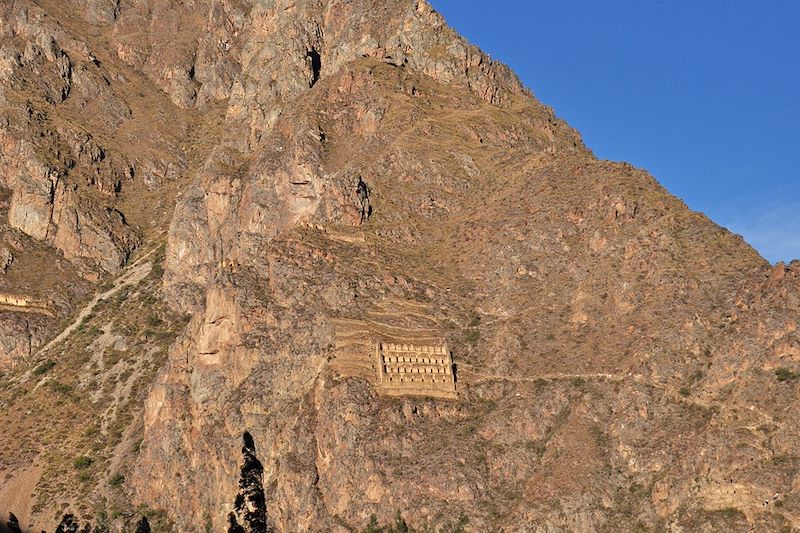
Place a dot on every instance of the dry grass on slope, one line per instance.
(74, 411)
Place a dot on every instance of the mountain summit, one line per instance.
(303, 265)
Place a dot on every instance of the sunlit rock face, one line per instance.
(283, 205)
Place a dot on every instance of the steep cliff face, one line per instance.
(92, 156)
(280, 50)
(329, 176)
(45, 160)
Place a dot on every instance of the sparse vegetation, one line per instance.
(61, 388)
(137, 446)
(601, 438)
(472, 336)
(784, 374)
(571, 365)
(399, 525)
(730, 513)
(97, 389)
(82, 462)
(158, 271)
(472, 332)
(44, 367)
(536, 448)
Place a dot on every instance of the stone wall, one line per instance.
(17, 302)
(407, 369)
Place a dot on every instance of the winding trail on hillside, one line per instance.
(132, 275)
(466, 368)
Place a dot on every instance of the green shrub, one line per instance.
(82, 462)
(784, 374)
(399, 525)
(44, 367)
(472, 336)
(600, 437)
(157, 271)
(61, 388)
(697, 376)
(729, 513)
(116, 480)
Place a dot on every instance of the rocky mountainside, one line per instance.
(335, 231)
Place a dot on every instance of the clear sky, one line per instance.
(701, 93)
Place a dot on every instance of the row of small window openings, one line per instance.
(413, 348)
(425, 360)
(404, 370)
(420, 379)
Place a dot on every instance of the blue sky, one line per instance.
(701, 93)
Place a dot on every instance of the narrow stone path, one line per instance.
(132, 275)
(464, 368)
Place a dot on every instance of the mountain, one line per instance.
(334, 231)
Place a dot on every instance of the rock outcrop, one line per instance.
(45, 159)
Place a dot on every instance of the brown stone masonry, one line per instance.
(25, 304)
(406, 369)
